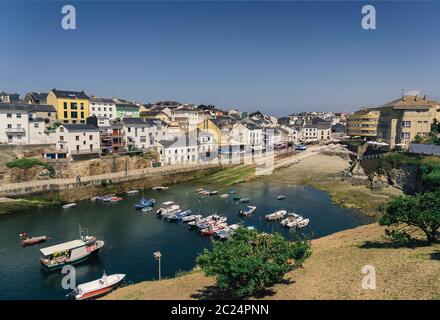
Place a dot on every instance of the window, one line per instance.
(65, 114)
(74, 115)
(82, 106)
(9, 126)
(9, 115)
(61, 129)
(82, 114)
(90, 137)
(49, 114)
(61, 138)
(18, 115)
(36, 125)
(65, 105)
(73, 106)
(77, 138)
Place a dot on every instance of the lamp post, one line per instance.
(157, 255)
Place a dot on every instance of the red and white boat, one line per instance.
(212, 229)
(97, 288)
(33, 240)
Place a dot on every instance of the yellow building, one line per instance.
(214, 127)
(403, 119)
(363, 123)
(71, 106)
(155, 114)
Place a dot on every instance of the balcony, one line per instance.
(15, 130)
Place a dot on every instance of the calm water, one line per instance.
(131, 236)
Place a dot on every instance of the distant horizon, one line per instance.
(278, 58)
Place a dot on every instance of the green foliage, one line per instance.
(421, 211)
(27, 163)
(417, 139)
(106, 182)
(250, 261)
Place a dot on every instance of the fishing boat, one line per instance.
(69, 205)
(198, 189)
(222, 234)
(211, 229)
(171, 217)
(160, 188)
(281, 197)
(224, 195)
(72, 252)
(303, 223)
(204, 193)
(213, 193)
(169, 208)
(131, 192)
(244, 200)
(33, 240)
(291, 221)
(146, 209)
(276, 215)
(231, 191)
(191, 218)
(248, 210)
(143, 203)
(99, 287)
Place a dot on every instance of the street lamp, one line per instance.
(157, 255)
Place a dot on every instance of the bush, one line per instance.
(421, 211)
(250, 261)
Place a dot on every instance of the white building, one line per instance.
(187, 117)
(142, 134)
(102, 108)
(207, 147)
(19, 124)
(293, 134)
(179, 150)
(254, 136)
(309, 133)
(78, 139)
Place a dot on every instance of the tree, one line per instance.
(421, 211)
(249, 261)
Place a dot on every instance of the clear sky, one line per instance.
(278, 57)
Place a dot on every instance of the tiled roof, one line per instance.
(80, 127)
(69, 94)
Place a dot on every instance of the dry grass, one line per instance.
(332, 272)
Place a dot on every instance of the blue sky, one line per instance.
(278, 57)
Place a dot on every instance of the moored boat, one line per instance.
(33, 240)
(160, 188)
(72, 252)
(281, 197)
(276, 215)
(69, 205)
(99, 287)
(248, 210)
(244, 200)
(236, 198)
(143, 203)
(132, 192)
(224, 195)
(191, 218)
(169, 208)
(303, 223)
(213, 193)
(211, 229)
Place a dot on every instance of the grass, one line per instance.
(16, 205)
(334, 271)
(27, 163)
(229, 175)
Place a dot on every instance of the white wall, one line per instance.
(72, 141)
(100, 109)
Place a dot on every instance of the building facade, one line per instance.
(78, 139)
(72, 106)
(103, 108)
(363, 123)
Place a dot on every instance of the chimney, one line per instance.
(403, 98)
(425, 97)
(416, 98)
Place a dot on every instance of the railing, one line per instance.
(14, 130)
(78, 152)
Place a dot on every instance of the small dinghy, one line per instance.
(183, 214)
(303, 223)
(281, 197)
(236, 198)
(131, 192)
(33, 240)
(191, 218)
(160, 188)
(291, 220)
(244, 200)
(213, 193)
(98, 287)
(248, 210)
(277, 215)
(146, 209)
(224, 195)
(143, 203)
(70, 205)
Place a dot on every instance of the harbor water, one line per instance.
(132, 236)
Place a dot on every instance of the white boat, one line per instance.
(248, 210)
(191, 218)
(303, 223)
(224, 195)
(169, 208)
(146, 209)
(133, 192)
(276, 215)
(69, 205)
(160, 188)
(98, 287)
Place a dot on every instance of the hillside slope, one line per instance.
(332, 272)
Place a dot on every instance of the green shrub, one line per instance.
(27, 163)
(250, 261)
